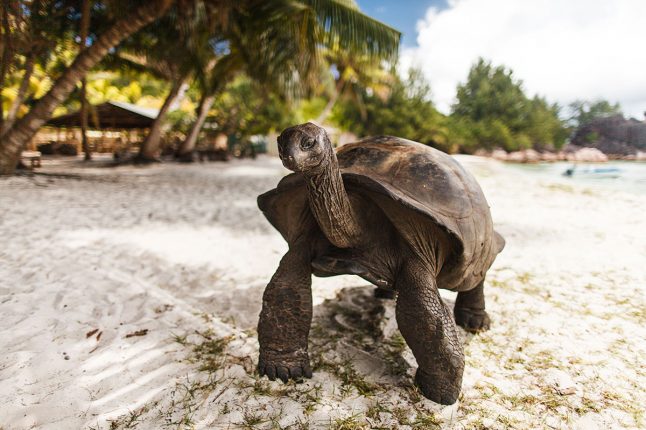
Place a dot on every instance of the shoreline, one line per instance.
(580, 155)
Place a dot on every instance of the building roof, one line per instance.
(109, 115)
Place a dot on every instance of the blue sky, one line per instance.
(401, 14)
(562, 50)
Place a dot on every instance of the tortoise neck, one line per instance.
(331, 206)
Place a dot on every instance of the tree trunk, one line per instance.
(20, 95)
(150, 147)
(7, 55)
(85, 24)
(185, 151)
(23, 130)
(330, 104)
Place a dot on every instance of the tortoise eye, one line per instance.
(307, 143)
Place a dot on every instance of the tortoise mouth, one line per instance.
(289, 163)
(311, 165)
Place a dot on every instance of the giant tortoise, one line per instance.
(403, 216)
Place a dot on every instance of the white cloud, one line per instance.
(561, 49)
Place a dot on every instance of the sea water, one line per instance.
(630, 176)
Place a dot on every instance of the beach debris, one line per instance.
(561, 382)
(143, 332)
(91, 333)
(163, 308)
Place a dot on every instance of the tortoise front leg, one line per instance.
(285, 318)
(428, 328)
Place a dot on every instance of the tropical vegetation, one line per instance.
(278, 40)
(250, 67)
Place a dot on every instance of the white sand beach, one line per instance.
(129, 298)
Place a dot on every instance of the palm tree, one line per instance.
(354, 73)
(171, 48)
(15, 138)
(30, 32)
(278, 43)
(211, 81)
(83, 33)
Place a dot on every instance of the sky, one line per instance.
(561, 49)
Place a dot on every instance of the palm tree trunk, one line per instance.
(7, 54)
(185, 151)
(23, 130)
(85, 24)
(150, 147)
(20, 95)
(330, 104)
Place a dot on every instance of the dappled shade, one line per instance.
(109, 115)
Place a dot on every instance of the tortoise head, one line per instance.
(305, 148)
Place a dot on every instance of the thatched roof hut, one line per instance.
(110, 115)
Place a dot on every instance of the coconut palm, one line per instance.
(302, 25)
(279, 43)
(355, 73)
(31, 30)
(171, 48)
(134, 16)
(83, 33)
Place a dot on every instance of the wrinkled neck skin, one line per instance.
(330, 204)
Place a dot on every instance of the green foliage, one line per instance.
(591, 137)
(582, 111)
(307, 109)
(489, 94)
(406, 112)
(245, 109)
(492, 111)
(123, 86)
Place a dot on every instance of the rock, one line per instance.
(499, 154)
(532, 156)
(549, 156)
(516, 156)
(588, 155)
(612, 135)
(524, 156)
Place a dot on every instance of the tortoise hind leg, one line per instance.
(426, 324)
(470, 311)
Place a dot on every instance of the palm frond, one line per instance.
(346, 27)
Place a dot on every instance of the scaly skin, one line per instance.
(286, 317)
(426, 324)
(469, 310)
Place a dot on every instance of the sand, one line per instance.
(129, 299)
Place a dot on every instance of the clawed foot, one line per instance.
(471, 320)
(284, 366)
(442, 392)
